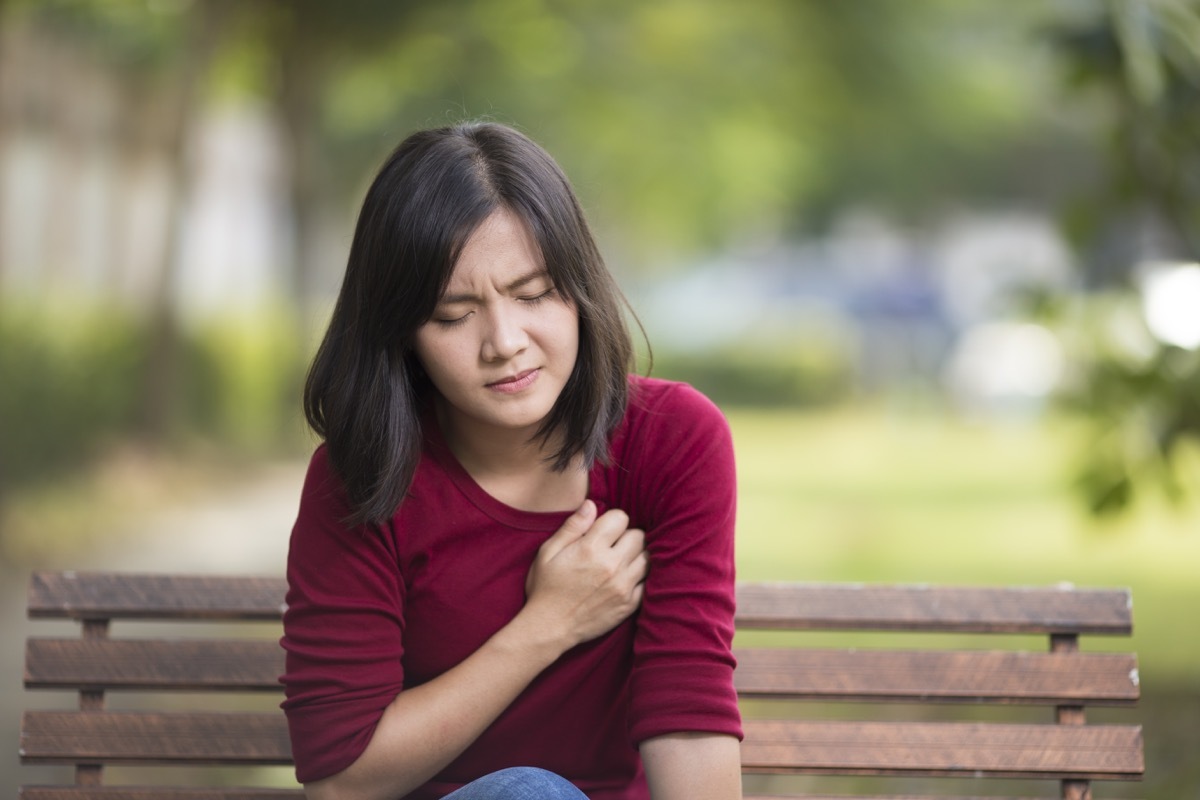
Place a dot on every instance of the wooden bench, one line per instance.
(1061, 753)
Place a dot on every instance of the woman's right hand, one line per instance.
(588, 577)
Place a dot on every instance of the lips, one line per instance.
(515, 383)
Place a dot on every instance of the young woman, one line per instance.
(512, 571)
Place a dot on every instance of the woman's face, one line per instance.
(502, 341)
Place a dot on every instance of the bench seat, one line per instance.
(783, 687)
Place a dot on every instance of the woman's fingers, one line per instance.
(640, 565)
(590, 572)
(608, 528)
(583, 528)
(579, 523)
(631, 543)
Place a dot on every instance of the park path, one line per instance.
(243, 529)
(238, 530)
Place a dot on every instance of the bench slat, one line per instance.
(937, 609)
(999, 750)
(950, 676)
(128, 737)
(1005, 677)
(102, 595)
(83, 595)
(185, 664)
(945, 749)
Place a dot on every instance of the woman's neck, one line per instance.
(516, 466)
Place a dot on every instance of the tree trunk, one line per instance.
(298, 107)
(161, 390)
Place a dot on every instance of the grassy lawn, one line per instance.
(858, 495)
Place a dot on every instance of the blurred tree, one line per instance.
(162, 56)
(203, 26)
(311, 41)
(1141, 58)
(686, 126)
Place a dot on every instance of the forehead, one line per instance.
(498, 251)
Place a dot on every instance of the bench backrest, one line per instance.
(1064, 748)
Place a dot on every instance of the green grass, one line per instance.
(867, 495)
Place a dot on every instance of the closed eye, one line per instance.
(450, 323)
(537, 298)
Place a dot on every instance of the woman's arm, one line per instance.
(684, 707)
(586, 579)
(693, 766)
(683, 662)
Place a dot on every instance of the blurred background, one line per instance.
(936, 260)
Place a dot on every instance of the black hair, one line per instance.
(366, 391)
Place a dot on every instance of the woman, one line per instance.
(509, 552)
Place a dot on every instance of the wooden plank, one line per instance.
(184, 664)
(156, 793)
(1091, 752)
(255, 665)
(856, 748)
(857, 607)
(127, 737)
(106, 595)
(82, 595)
(949, 676)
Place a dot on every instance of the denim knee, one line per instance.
(519, 783)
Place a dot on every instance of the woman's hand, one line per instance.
(588, 577)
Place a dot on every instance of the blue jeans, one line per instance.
(518, 783)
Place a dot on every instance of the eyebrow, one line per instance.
(467, 297)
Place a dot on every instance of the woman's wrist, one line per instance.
(532, 635)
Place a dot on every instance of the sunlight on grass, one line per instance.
(861, 495)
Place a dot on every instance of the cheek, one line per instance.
(567, 327)
(448, 358)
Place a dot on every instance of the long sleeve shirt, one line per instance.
(373, 610)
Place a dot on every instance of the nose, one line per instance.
(504, 337)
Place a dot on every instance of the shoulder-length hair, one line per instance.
(366, 391)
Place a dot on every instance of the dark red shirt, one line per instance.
(371, 613)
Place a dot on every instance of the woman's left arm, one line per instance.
(693, 766)
(683, 715)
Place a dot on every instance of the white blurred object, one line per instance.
(987, 261)
(1005, 366)
(1171, 302)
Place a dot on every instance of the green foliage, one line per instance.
(1142, 399)
(684, 125)
(74, 384)
(775, 373)
(1141, 59)
(244, 378)
(134, 34)
(71, 384)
